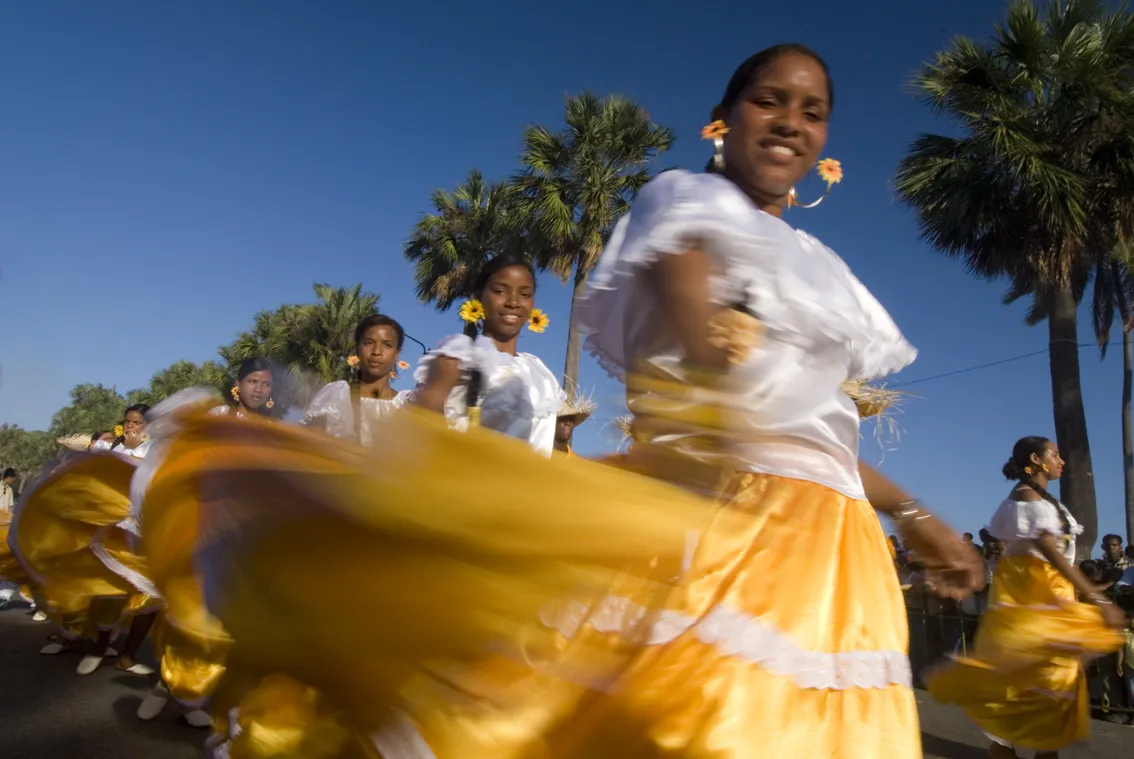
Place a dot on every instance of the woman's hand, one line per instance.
(1112, 613)
(132, 438)
(952, 568)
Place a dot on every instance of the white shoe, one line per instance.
(51, 649)
(138, 669)
(154, 702)
(89, 664)
(198, 718)
(39, 616)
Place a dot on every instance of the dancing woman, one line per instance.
(351, 409)
(1023, 682)
(480, 376)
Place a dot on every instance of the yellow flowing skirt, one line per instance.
(73, 509)
(493, 597)
(1023, 683)
(190, 642)
(10, 569)
(431, 543)
(785, 636)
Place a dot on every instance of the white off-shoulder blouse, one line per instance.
(333, 405)
(820, 325)
(1019, 523)
(520, 397)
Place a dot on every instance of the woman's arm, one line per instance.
(682, 283)
(884, 495)
(444, 375)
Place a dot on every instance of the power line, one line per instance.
(981, 366)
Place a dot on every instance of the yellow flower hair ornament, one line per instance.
(352, 361)
(472, 311)
(830, 171)
(270, 404)
(119, 430)
(538, 321)
(235, 392)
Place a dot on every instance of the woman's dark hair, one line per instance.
(748, 71)
(1016, 469)
(141, 408)
(487, 272)
(378, 320)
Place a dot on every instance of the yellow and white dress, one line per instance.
(1023, 682)
(333, 407)
(62, 529)
(520, 397)
(737, 662)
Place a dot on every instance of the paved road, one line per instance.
(48, 712)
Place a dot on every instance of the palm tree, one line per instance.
(177, 377)
(1039, 182)
(473, 223)
(311, 340)
(575, 185)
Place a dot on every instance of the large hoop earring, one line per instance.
(718, 153)
(793, 199)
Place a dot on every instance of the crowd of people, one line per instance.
(434, 572)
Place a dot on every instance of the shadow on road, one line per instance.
(933, 745)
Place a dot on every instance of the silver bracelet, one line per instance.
(909, 511)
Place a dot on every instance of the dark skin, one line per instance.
(378, 352)
(777, 131)
(133, 429)
(508, 299)
(255, 390)
(564, 428)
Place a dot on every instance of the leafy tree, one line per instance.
(1038, 183)
(577, 182)
(93, 407)
(310, 342)
(178, 377)
(471, 224)
(26, 451)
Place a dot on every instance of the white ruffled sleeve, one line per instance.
(332, 406)
(804, 294)
(1025, 520)
(459, 347)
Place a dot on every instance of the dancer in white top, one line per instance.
(351, 409)
(480, 377)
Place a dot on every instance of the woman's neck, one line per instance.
(766, 203)
(376, 387)
(505, 345)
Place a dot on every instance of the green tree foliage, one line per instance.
(92, 407)
(1036, 181)
(577, 182)
(470, 225)
(26, 451)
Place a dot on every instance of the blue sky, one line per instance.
(171, 168)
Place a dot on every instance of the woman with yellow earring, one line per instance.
(1023, 682)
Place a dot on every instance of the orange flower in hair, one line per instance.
(717, 129)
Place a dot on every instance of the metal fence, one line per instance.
(940, 628)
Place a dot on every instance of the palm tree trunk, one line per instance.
(574, 337)
(1128, 427)
(1077, 487)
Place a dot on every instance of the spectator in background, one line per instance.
(1113, 557)
(7, 494)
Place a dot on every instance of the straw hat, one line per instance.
(581, 407)
(75, 442)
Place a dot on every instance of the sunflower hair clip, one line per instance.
(472, 311)
(831, 172)
(119, 430)
(538, 321)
